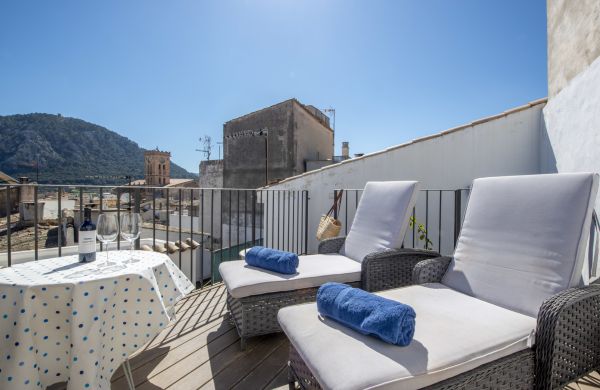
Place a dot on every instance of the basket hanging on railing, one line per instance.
(329, 226)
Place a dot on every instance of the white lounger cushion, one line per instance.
(243, 280)
(523, 238)
(381, 218)
(454, 333)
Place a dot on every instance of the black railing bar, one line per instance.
(272, 218)
(8, 225)
(212, 206)
(245, 219)
(306, 222)
(137, 206)
(426, 217)
(265, 216)
(101, 208)
(279, 219)
(253, 216)
(191, 211)
(440, 224)
(423, 189)
(153, 219)
(118, 216)
(80, 206)
(288, 220)
(202, 235)
(180, 213)
(229, 226)
(297, 208)
(59, 211)
(129, 188)
(414, 220)
(35, 221)
(237, 213)
(457, 214)
(168, 219)
(346, 212)
(221, 228)
(335, 209)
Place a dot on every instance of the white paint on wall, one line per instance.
(572, 120)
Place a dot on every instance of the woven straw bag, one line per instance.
(329, 227)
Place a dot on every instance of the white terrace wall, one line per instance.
(572, 115)
(506, 144)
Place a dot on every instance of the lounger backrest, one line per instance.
(523, 238)
(381, 218)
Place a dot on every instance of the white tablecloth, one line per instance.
(55, 327)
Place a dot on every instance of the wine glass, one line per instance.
(107, 231)
(131, 228)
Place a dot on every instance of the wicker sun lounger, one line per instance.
(521, 316)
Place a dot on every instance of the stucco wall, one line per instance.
(572, 120)
(507, 144)
(312, 140)
(573, 40)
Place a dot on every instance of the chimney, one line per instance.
(345, 150)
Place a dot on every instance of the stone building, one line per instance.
(274, 143)
(157, 167)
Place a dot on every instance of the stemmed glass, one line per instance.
(107, 231)
(131, 228)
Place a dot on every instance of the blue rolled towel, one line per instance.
(272, 259)
(369, 314)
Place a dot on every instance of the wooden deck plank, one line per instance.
(244, 365)
(267, 370)
(280, 382)
(201, 350)
(178, 366)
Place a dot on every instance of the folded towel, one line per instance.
(369, 314)
(272, 259)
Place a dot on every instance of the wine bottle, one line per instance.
(87, 238)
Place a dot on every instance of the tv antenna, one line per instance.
(206, 142)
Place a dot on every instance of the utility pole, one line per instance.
(332, 111)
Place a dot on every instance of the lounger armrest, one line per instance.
(431, 270)
(567, 340)
(391, 268)
(331, 245)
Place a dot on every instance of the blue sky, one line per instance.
(165, 73)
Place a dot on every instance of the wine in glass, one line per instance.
(107, 230)
(131, 228)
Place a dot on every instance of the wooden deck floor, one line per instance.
(200, 350)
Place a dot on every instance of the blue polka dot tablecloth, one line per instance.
(57, 326)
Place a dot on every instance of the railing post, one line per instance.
(138, 200)
(35, 220)
(253, 216)
(335, 210)
(118, 216)
(8, 225)
(306, 222)
(457, 213)
(59, 240)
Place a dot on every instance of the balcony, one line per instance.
(200, 349)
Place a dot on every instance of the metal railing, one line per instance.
(221, 221)
(439, 211)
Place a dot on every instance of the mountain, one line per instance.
(70, 151)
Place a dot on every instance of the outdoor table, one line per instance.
(58, 324)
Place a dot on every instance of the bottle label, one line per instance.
(87, 246)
